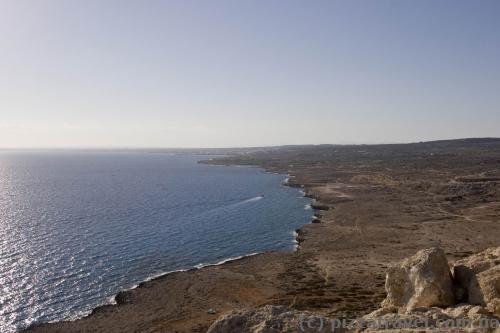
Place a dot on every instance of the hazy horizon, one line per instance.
(139, 148)
(224, 74)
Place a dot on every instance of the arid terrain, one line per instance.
(376, 204)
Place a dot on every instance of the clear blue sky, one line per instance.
(98, 73)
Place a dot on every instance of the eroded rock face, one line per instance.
(485, 289)
(268, 319)
(479, 278)
(423, 280)
(459, 318)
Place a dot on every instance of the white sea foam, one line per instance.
(199, 266)
(155, 276)
(112, 300)
(308, 207)
(295, 241)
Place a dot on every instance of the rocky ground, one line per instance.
(378, 205)
(423, 294)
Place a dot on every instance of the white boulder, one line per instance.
(423, 280)
(479, 277)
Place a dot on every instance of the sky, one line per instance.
(105, 73)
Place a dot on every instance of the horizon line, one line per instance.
(241, 147)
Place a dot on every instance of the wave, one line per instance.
(199, 266)
(308, 207)
(295, 241)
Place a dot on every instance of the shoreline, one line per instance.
(118, 299)
(375, 209)
(123, 296)
(163, 274)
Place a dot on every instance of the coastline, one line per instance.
(120, 297)
(123, 298)
(163, 274)
(374, 214)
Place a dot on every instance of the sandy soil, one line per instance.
(384, 203)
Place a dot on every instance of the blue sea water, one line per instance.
(78, 227)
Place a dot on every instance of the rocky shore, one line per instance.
(376, 206)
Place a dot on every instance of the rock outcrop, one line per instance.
(315, 204)
(421, 289)
(269, 319)
(421, 296)
(456, 319)
(423, 280)
(478, 279)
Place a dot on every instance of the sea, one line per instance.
(77, 227)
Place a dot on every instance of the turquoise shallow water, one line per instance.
(76, 228)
